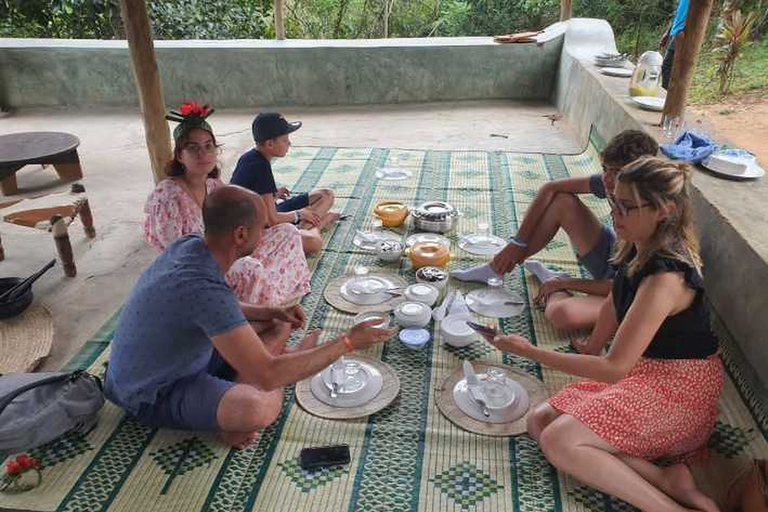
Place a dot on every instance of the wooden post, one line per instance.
(279, 23)
(63, 247)
(566, 10)
(687, 46)
(139, 34)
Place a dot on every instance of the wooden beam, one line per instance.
(566, 9)
(139, 34)
(687, 46)
(279, 19)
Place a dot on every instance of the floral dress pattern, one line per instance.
(275, 274)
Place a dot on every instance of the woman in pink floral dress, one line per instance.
(275, 274)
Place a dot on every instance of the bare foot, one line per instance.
(328, 219)
(680, 485)
(307, 342)
(238, 440)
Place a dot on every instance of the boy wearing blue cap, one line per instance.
(309, 211)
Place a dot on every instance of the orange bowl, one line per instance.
(429, 254)
(391, 213)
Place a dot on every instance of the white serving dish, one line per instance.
(484, 245)
(422, 292)
(516, 410)
(741, 165)
(370, 240)
(456, 332)
(419, 238)
(617, 72)
(367, 290)
(412, 314)
(652, 103)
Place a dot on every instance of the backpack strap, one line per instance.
(7, 399)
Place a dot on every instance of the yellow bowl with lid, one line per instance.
(391, 213)
(429, 254)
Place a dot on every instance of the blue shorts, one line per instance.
(191, 403)
(596, 260)
(294, 203)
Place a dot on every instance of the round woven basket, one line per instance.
(537, 393)
(332, 294)
(389, 391)
(26, 339)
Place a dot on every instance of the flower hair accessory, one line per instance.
(190, 115)
(21, 474)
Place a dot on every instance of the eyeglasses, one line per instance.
(207, 149)
(622, 208)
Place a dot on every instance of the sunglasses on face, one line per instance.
(623, 209)
(208, 148)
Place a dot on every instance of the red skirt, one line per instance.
(662, 408)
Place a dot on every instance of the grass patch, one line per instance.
(750, 74)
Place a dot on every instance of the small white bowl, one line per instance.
(412, 314)
(423, 272)
(422, 292)
(456, 332)
(390, 250)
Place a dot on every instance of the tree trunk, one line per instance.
(339, 19)
(687, 46)
(566, 10)
(387, 12)
(279, 23)
(139, 35)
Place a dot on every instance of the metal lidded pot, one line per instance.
(435, 216)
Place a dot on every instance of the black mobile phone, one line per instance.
(323, 456)
(345, 217)
(486, 332)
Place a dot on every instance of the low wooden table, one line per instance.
(20, 149)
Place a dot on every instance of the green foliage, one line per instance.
(211, 19)
(750, 74)
(729, 43)
(69, 19)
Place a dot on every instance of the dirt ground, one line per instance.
(743, 120)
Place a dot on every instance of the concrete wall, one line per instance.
(287, 73)
(731, 216)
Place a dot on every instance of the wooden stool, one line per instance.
(54, 213)
(20, 149)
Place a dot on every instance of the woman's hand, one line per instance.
(512, 343)
(365, 334)
(549, 287)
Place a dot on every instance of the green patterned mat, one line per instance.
(407, 457)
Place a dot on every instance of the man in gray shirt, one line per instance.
(184, 355)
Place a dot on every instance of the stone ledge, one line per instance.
(731, 216)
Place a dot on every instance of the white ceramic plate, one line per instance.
(752, 171)
(654, 103)
(373, 382)
(482, 244)
(492, 304)
(364, 292)
(393, 174)
(470, 407)
(427, 237)
(373, 243)
(620, 72)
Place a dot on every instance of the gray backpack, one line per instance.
(36, 408)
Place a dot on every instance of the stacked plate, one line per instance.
(482, 244)
(502, 402)
(652, 103)
(347, 383)
(367, 290)
(611, 60)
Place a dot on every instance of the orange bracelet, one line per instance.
(348, 342)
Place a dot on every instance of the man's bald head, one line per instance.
(229, 207)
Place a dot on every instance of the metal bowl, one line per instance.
(435, 216)
(17, 306)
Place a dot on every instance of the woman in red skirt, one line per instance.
(654, 393)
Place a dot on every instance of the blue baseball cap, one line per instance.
(270, 125)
